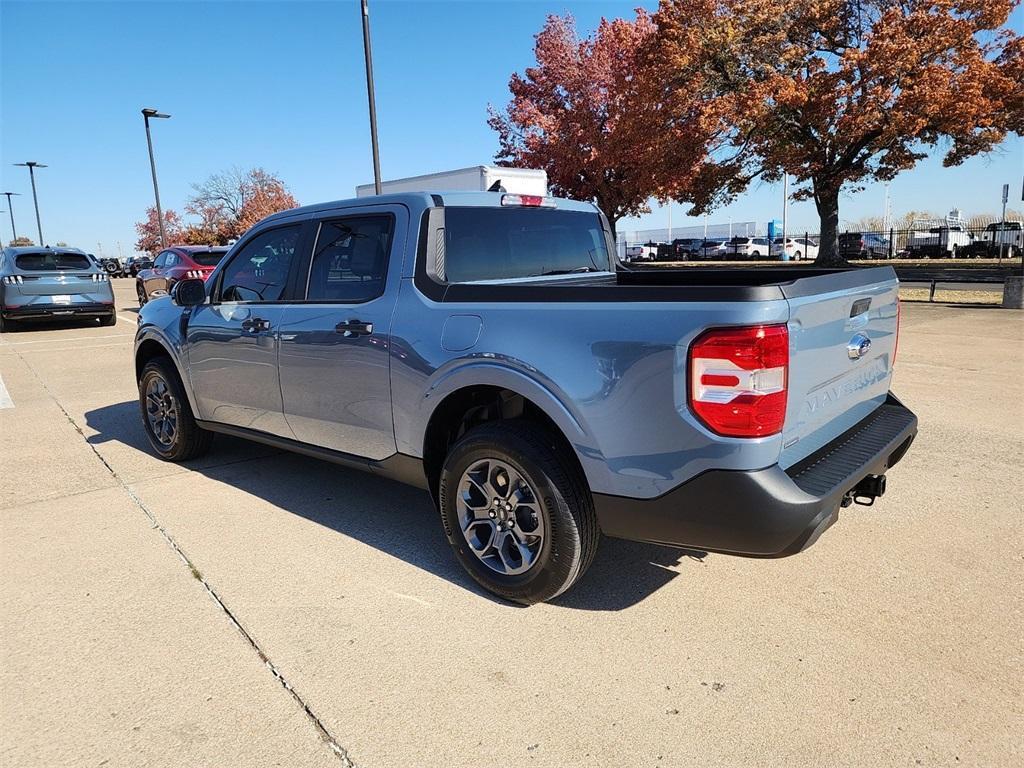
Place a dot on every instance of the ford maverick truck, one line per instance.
(489, 348)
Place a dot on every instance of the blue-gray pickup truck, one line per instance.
(489, 348)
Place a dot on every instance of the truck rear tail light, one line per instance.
(531, 201)
(13, 280)
(195, 274)
(738, 379)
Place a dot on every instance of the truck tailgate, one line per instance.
(842, 339)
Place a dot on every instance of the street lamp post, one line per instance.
(146, 114)
(32, 165)
(369, 90)
(10, 209)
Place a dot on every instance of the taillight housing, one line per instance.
(196, 274)
(738, 380)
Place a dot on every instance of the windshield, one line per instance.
(207, 258)
(506, 243)
(49, 261)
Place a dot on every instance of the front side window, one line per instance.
(508, 243)
(350, 259)
(171, 260)
(160, 260)
(259, 271)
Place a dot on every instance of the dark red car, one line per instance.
(177, 263)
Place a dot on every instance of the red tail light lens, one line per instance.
(738, 379)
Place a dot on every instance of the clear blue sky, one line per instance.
(281, 85)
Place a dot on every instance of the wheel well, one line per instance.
(148, 350)
(466, 408)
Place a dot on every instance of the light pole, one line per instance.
(146, 114)
(10, 209)
(785, 217)
(369, 91)
(32, 165)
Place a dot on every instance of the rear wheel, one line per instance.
(519, 518)
(109, 320)
(167, 416)
(141, 293)
(797, 256)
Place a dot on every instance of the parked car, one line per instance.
(797, 248)
(648, 252)
(111, 265)
(1001, 238)
(135, 264)
(685, 248)
(714, 250)
(174, 264)
(53, 284)
(484, 347)
(863, 245)
(747, 247)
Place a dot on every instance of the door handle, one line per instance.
(255, 325)
(354, 328)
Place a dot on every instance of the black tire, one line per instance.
(571, 532)
(797, 256)
(5, 325)
(141, 293)
(189, 440)
(109, 320)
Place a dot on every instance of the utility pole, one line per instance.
(146, 114)
(368, 56)
(785, 217)
(1003, 233)
(32, 165)
(10, 209)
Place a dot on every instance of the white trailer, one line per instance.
(477, 178)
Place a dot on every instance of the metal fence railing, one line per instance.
(995, 241)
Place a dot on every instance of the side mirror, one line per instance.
(189, 293)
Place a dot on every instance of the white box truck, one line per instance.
(477, 178)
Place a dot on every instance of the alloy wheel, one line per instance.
(161, 411)
(500, 516)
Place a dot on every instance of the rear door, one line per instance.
(334, 359)
(842, 338)
(233, 339)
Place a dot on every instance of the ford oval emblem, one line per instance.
(858, 346)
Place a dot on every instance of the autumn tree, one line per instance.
(20, 242)
(149, 230)
(228, 203)
(589, 116)
(838, 93)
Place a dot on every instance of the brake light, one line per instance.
(531, 201)
(195, 274)
(738, 380)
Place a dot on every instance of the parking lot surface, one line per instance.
(256, 608)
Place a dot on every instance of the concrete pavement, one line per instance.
(343, 629)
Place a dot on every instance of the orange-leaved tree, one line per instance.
(228, 203)
(149, 230)
(591, 116)
(838, 93)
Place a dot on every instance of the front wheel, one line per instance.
(519, 517)
(166, 414)
(141, 293)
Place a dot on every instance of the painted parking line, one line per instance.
(58, 339)
(129, 318)
(5, 396)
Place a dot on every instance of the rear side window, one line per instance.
(350, 259)
(506, 243)
(42, 262)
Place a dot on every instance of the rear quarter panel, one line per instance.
(612, 376)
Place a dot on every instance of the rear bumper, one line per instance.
(39, 311)
(767, 512)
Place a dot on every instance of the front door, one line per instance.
(334, 360)
(233, 339)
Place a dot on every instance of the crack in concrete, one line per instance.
(321, 729)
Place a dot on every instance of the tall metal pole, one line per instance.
(785, 216)
(369, 91)
(146, 113)
(32, 165)
(10, 209)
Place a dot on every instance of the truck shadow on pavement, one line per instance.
(391, 517)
